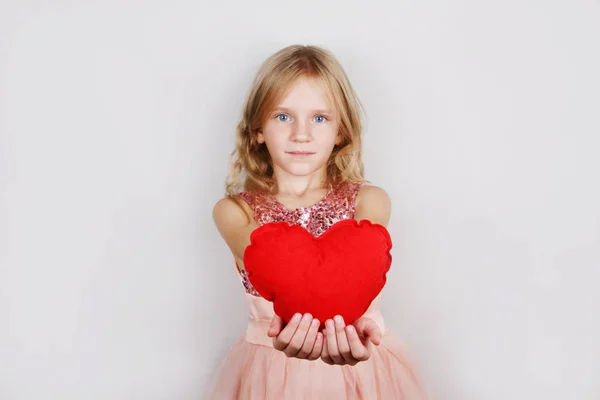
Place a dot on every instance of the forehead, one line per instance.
(307, 93)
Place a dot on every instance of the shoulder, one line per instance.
(372, 196)
(231, 211)
(373, 203)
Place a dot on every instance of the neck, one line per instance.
(298, 186)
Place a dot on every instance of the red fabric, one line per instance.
(338, 273)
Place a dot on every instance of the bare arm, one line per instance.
(235, 226)
(374, 204)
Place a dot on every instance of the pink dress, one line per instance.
(254, 370)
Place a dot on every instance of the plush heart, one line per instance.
(338, 273)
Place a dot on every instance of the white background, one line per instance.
(116, 123)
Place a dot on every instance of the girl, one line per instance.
(298, 160)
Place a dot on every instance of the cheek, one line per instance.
(274, 140)
(329, 136)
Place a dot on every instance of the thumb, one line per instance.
(374, 333)
(276, 325)
(369, 329)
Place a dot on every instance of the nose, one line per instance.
(301, 132)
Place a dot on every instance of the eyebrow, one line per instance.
(320, 110)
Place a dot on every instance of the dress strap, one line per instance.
(351, 190)
(249, 198)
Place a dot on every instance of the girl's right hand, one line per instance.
(300, 338)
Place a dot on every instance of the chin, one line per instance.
(301, 170)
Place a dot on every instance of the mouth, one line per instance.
(300, 153)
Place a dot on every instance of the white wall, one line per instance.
(116, 122)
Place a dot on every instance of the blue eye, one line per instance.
(321, 116)
(281, 115)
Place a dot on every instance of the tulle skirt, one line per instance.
(252, 371)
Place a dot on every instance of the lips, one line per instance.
(300, 153)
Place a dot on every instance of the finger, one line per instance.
(325, 352)
(299, 336)
(317, 348)
(276, 326)
(359, 351)
(281, 341)
(309, 341)
(332, 347)
(342, 339)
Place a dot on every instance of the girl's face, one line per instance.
(301, 132)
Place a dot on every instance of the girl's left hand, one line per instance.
(349, 345)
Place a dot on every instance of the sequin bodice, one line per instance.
(338, 204)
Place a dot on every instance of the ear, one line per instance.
(338, 139)
(260, 137)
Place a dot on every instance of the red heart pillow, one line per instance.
(338, 273)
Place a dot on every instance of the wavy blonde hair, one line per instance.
(251, 167)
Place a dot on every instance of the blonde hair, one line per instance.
(251, 167)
